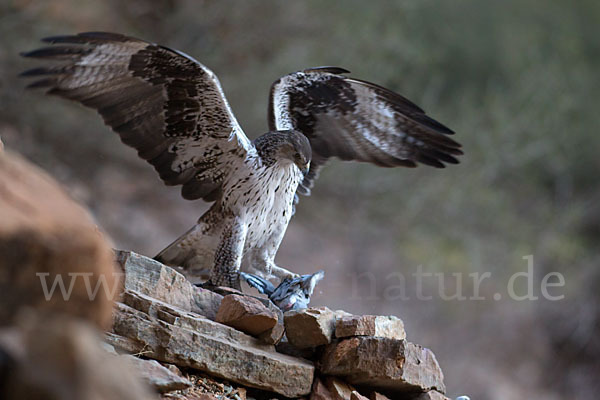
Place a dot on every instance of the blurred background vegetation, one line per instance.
(516, 79)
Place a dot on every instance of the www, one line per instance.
(67, 292)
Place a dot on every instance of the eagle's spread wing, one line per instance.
(165, 104)
(356, 120)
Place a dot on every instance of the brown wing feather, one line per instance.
(357, 120)
(161, 102)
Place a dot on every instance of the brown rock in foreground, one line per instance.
(47, 239)
(310, 327)
(60, 357)
(246, 314)
(370, 325)
(159, 377)
(173, 335)
(382, 363)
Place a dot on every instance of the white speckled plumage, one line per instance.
(257, 201)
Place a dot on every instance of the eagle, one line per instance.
(173, 111)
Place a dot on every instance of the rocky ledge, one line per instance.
(240, 339)
(137, 329)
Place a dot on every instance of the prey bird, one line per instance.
(173, 111)
(293, 293)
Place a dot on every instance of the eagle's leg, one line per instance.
(262, 259)
(282, 273)
(266, 269)
(228, 256)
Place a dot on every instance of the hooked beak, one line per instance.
(305, 168)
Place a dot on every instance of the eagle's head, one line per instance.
(299, 150)
(289, 145)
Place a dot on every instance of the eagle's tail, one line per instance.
(183, 253)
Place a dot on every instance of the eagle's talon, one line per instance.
(291, 294)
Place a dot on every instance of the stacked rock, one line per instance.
(246, 341)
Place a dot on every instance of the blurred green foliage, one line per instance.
(518, 80)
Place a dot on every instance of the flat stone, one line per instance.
(205, 302)
(150, 277)
(370, 325)
(246, 314)
(383, 364)
(173, 335)
(122, 344)
(159, 377)
(309, 327)
(225, 290)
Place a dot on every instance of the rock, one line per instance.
(339, 389)
(175, 316)
(173, 368)
(159, 377)
(192, 396)
(61, 357)
(109, 348)
(377, 396)
(383, 364)
(285, 347)
(206, 302)
(52, 255)
(122, 344)
(309, 327)
(246, 314)
(320, 391)
(225, 290)
(271, 306)
(273, 335)
(370, 325)
(357, 396)
(240, 393)
(431, 395)
(172, 335)
(148, 276)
